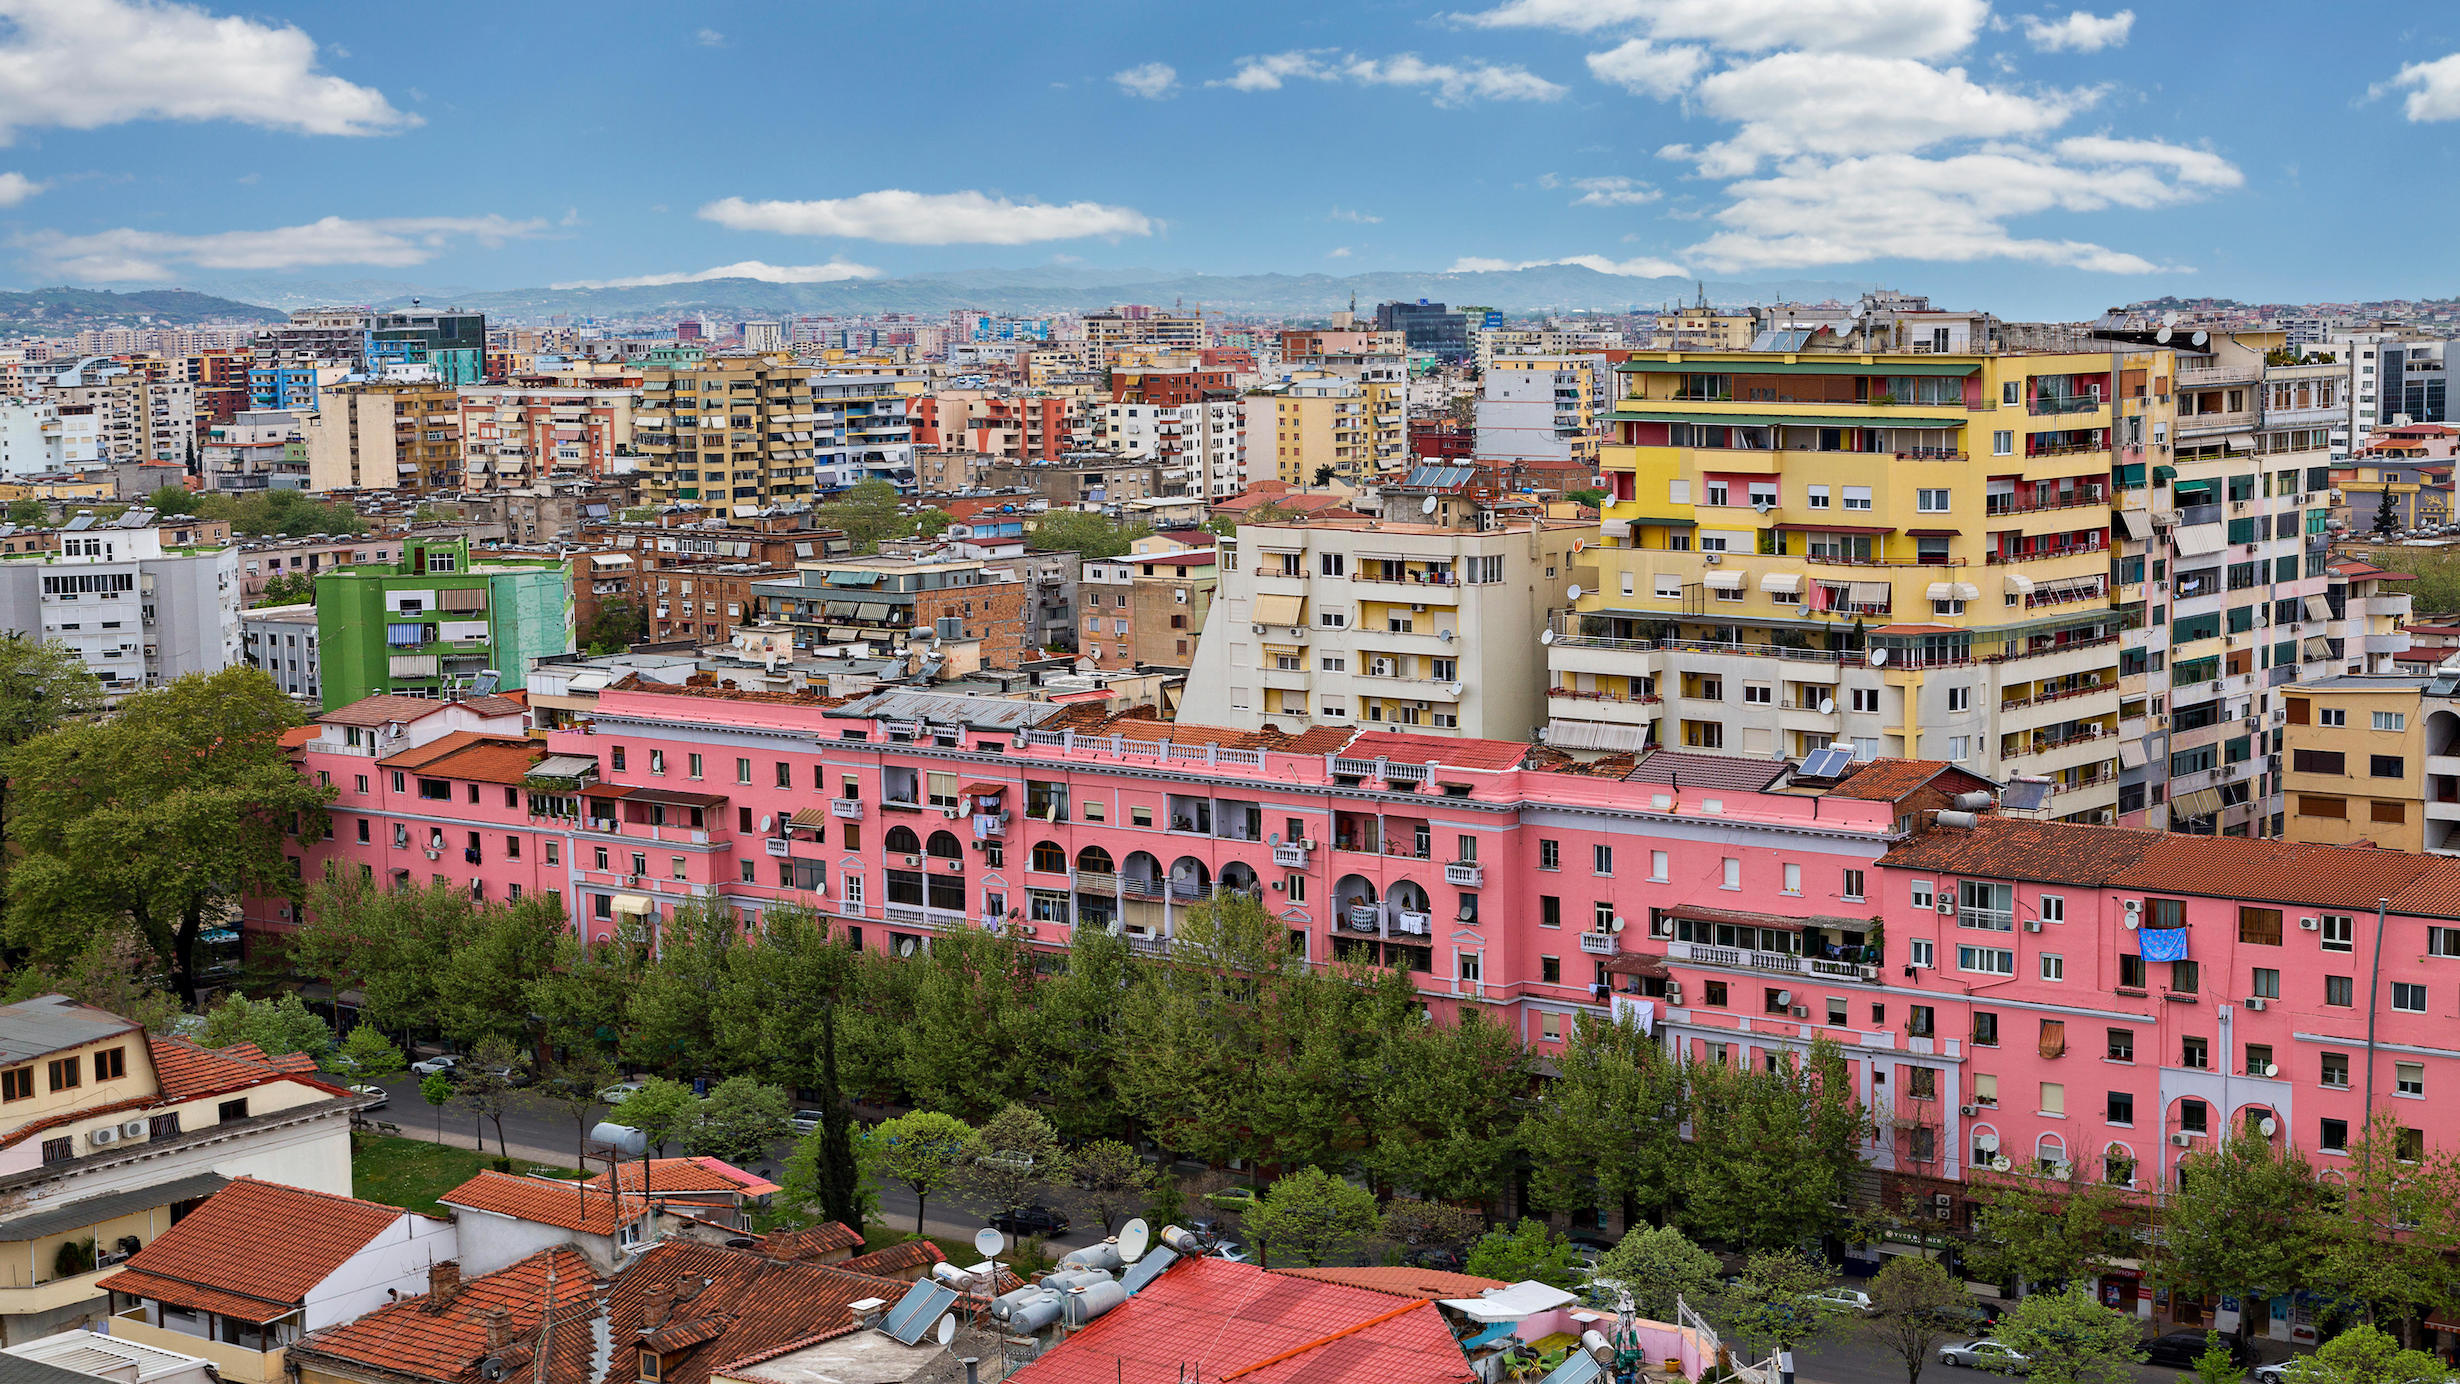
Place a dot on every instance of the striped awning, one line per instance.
(1594, 735)
(1723, 581)
(2137, 522)
(1784, 583)
(2203, 802)
(1289, 611)
(2318, 608)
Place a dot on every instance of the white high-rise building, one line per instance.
(138, 615)
(30, 442)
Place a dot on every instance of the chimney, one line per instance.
(499, 1328)
(660, 1302)
(444, 1281)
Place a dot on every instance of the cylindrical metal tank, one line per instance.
(1091, 1301)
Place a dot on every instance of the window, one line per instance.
(2121, 1045)
(2053, 1098)
(1919, 951)
(1657, 866)
(2194, 1116)
(1550, 911)
(1837, 1011)
(2331, 716)
(1985, 1088)
(1989, 961)
(1922, 1083)
(1960, 699)
(67, 1073)
(694, 763)
(1601, 860)
(1982, 903)
(17, 1083)
(2339, 992)
(231, 1110)
(2195, 1053)
(2386, 765)
(2408, 998)
(1930, 501)
(2053, 908)
(110, 1064)
(2259, 1059)
(1550, 855)
(2186, 977)
(1853, 885)
(1793, 878)
(2259, 927)
(2120, 1109)
(2267, 983)
(1816, 497)
(1985, 1029)
(2003, 443)
(2334, 1071)
(2409, 1078)
(1921, 893)
(2338, 930)
(59, 1150)
(2332, 1136)
(2130, 971)
(1865, 699)
(2391, 720)
(1714, 993)
(1857, 497)
(1922, 1021)
(2053, 967)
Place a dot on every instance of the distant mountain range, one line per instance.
(1049, 289)
(63, 311)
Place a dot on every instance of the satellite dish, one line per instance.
(765, 819)
(2198, 339)
(2170, 318)
(1454, 688)
(1134, 1238)
(2000, 1164)
(946, 1331)
(1827, 706)
(988, 1242)
(1572, 591)
(1617, 925)
(1546, 636)
(2132, 924)
(2269, 1126)
(2272, 1069)
(1879, 658)
(1427, 506)
(2162, 336)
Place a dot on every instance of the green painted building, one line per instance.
(437, 619)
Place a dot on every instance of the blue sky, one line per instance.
(2038, 161)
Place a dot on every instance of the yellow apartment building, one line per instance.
(2354, 764)
(735, 430)
(1904, 551)
(1320, 421)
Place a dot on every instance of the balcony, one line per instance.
(849, 809)
(1465, 874)
(1290, 857)
(1784, 963)
(1600, 943)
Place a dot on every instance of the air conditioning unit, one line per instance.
(2032, 924)
(913, 862)
(1712, 559)
(102, 1136)
(133, 1129)
(1947, 907)
(2133, 907)
(1417, 609)
(2309, 924)
(1674, 992)
(433, 853)
(1968, 1111)
(2256, 1003)
(1801, 1011)
(2183, 1139)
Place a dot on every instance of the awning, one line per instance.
(607, 790)
(1723, 581)
(634, 903)
(1941, 591)
(874, 611)
(1834, 528)
(2316, 646)
(1272, 648)
(1718, 365)
(1595, 735)
(2195, 540)
(1789, 420)
(2019, 583)
(1516, 1303)
(1635, 964)
(1281, 610)
(1780, 921)
(808, 817)
(2131, 754)
(852, 579)
(983, 790)
(2203, 802)
(1787, 583)
(1867, 592)
(2137, 522)
(563, 766)
(1935, 533)
(2318, 608)
(1967, 591)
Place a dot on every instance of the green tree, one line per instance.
(437, 1089)
(613, 627)
(740, 1120)
(277, 1026)
(1310, 1216)
(870, 513)
(172, 499)
(43, 686)
(395, 947)
(1656, 1265)
(1447, 1114)
(493, 965)
(663, 1110)
(486, 1086)
(1111, 1180)
(2069, 1338)
(2216, 1365)
(572, 1087)
(1072, 1038)
(1420, 1226)
(2365, 1355)
(1192, 1048)
(1087, 534)
(1772, 1151)
(836, 1172)
(1529, 1250)
(972, 991)
(29, 511)
(1595, 499)
(2386, 1241)
(366, 1055)
(2387, 519)
(1166, 1204)
(676, 1013)
(923, 1152)
(2044, 1231)
(1606, 1130)
(163, 818)
(290, 588)
(1015, 1156)
(2241, 1222)
(1915, 1307)
(114, 973)
(1768, 1307)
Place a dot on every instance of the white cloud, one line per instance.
(1153, 81)
(1894, 28)
(1612, 192)
(709, 38)
(2079, 32)
(934, 218)
(1452, 84)
(832, 272)
(1846, 104)
(16, 187)
(1641, 66)
(84, 64)
(2433, 87)
(1643, 268)
(1338, 252)
(393, 242)
(2195, 167)
(1355, 218)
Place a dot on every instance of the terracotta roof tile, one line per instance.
(187, 1072)
(896, 1260)
(2233, 867)
(297, 736)
(258, 1241)
(1451, 753)
(380, 709)
(586, 1208)
(1237, 1316)
(496, 704)
(2010, 848)
(701, 1174)
(1892, 780)
(828, 1237)
(1403, 1282)
(487, 761)
(425, 1339)
(1727, 773)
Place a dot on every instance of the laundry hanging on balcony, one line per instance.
(2162, 943)
(1632, 1009)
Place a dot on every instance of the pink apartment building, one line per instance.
(2090, 1000)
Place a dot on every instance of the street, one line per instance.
(1853, 1354)
(538, 1131)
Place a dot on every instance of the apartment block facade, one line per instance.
(138, 611)
(732, 431)
(517, 436)
(380, 436)
(1541, 408)
(438, 619)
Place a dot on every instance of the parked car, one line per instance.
(1843, 1300)
(805, 1121)
(1031, 1220)
(1983, 1355)
(1233, 1199)
(618, 1093)
(377, 1093)
(2179, 1348)
(442, 1065)
(2275, 1373)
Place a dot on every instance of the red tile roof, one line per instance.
(1403, 1282)
(2011, 848)
(1893, 780)
(253, 1249)
(692, 1175)
(382, 708)
(485, 760)
(298, 735)
(828, 1237)
(586, 1208)
(1235, 1317)
(187, 1072)
(896, 1261)
(1723, 772)
(425, 1339)
(1447, 751)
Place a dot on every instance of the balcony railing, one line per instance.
(1290, 857)
(1785, 963)
(850, 809)
(1465, 874)
(1600, 943)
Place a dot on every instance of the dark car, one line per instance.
(1031, 1220)
(2179, 1348)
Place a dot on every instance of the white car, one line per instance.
(1843, 1300)
(2274, 1373)
(377, 1094)
(435, 1066)
(618, 1093)
(1983, 1355)
(805, 1121)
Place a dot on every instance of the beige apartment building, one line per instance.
(734, 430)
(1427, 627)
(386, 436)
(1320, 421)
(515, 436)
